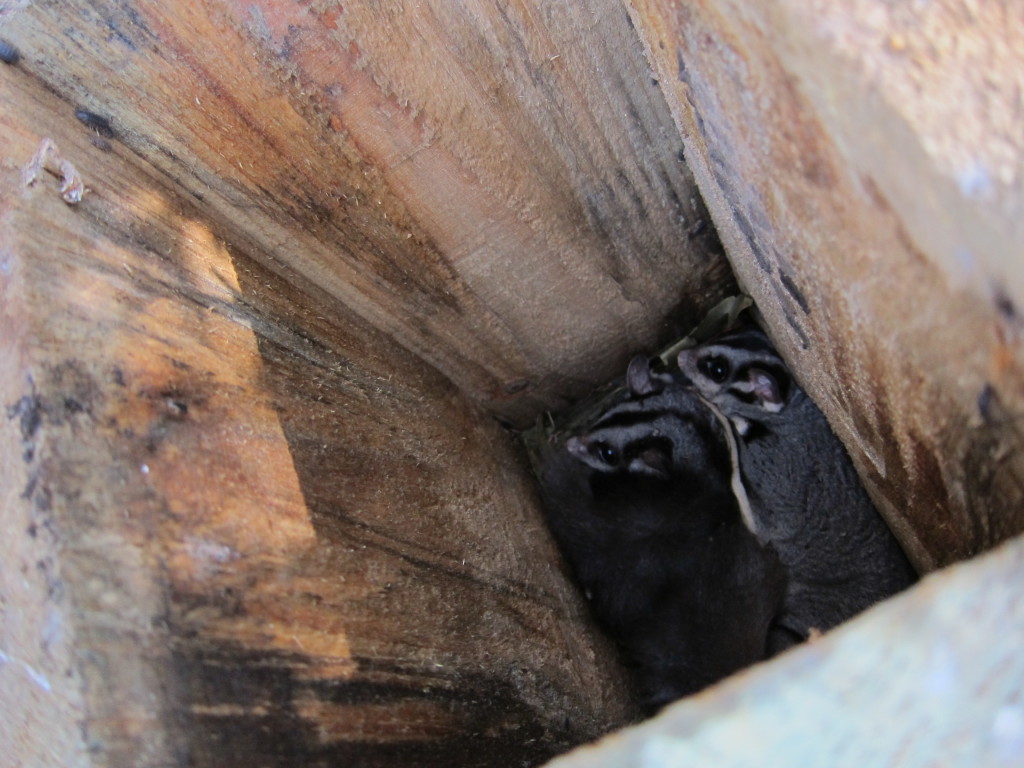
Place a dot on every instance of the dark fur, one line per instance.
(657, 542)
(811, 506)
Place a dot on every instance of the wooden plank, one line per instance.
(41, 700)
(242, 525)
(932, 677)
(497, 187)
(265, 523)
(862, 167)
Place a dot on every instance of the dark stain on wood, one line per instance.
(1006, 307)
(98, 123)
(271, 710)
(794, 291)
(681, 74)
(797, 328)
(28, 412)
(9, 54)
(743, 222)
(987, 402)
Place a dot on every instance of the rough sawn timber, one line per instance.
(441, 169)
(255, 509)
(865, 169)
(916, 682)
(244, 524)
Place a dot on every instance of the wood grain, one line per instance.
(860, 167)
(244, 527)
(499, 188)
(314, 241)
(919, 681)
(257, 507)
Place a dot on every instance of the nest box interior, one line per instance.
(279, 281)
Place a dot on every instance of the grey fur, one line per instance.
(840, 554)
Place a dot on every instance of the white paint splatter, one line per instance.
(975, 180)
(37, 677)
(210, 551)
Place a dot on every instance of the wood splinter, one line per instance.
(48, 158)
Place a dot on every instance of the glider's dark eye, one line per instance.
(715, 368)
(607, 454)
